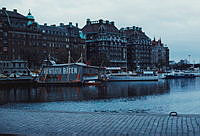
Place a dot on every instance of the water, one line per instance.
(180, 95)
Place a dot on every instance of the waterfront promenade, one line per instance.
(32, 123)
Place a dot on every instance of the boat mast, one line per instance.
(69, 61)
(80, 59)
(69, 57)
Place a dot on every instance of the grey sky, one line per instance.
(177, 22)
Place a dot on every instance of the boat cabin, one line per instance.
(67, 73)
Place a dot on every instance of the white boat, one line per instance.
(124, 76)
(179, 74)
(92, 83)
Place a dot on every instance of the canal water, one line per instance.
(164, 96)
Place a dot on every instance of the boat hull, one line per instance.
(177, 76)
(92, 84)
(17, 81)
(60, 83)
(132, 78)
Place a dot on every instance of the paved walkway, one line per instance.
(33, 123)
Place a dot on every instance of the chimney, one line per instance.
(61, 24)
(88, 22)
(15, 10)
(45, 24)
(77, 25)
(100, 21)
(70, 24)
(112, 23)
(3, 8)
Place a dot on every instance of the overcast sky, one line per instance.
(177, 22)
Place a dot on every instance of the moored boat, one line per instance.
(125, 76)
(92, 83)
(91, 79)
(66, 74)
(178, 74)
(16, 79)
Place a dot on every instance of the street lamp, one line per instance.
(189, 58)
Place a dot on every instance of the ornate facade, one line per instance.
(16, 33)
(23, 38)
(106, 46)
(138, 48)
(159, 55)
(100, 42)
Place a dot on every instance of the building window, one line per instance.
(5, 34)
(5, 49)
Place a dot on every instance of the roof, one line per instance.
(12, 14)
(49, 29)
(71, 27)
(131, 32)
(157, 43)
(72, 30)
(97, 27)
(53, 28)
(133, 35)
(69, 64)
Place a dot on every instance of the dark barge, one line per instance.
(70, 74)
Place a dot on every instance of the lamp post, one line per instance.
(189, 58)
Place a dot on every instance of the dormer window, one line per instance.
(102, 28)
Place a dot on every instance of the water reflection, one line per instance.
(133, 89)
(62, 93)
(181, 95)
(184, 84)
